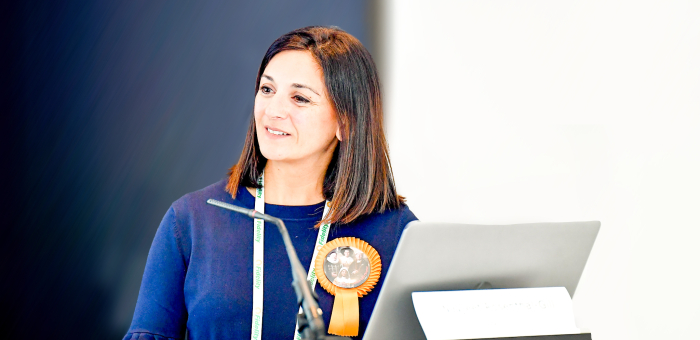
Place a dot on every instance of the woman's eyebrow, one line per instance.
(296, 85)
(302, 86)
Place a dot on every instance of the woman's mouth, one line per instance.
(275, 132)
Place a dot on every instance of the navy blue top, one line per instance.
(199, 274)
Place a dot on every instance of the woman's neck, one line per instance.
(287, 184)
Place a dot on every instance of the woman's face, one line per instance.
(294, 119)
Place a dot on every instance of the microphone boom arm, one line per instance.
(316, 329)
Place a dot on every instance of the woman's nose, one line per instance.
(277, 108)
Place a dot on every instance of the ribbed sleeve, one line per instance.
(160, 309)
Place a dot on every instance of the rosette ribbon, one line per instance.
(345, 318)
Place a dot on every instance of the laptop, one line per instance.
(446, 256)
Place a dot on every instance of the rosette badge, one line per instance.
(347, 268)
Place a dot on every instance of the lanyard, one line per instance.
(259, 261)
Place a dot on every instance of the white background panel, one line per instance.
(529, 111)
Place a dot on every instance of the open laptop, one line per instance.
(444, 256)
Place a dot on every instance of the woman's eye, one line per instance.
(300, 99)
(265, 89)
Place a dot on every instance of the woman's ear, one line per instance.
(337, 134)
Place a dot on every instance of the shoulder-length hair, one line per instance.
(359, 178)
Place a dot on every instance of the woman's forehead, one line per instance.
(295, 67)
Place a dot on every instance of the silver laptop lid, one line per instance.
(444, 256)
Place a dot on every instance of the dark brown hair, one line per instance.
(359, 179)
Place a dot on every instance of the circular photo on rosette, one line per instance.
(346, 267)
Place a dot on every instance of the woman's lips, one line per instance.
(276, 132)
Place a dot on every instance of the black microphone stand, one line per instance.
(311, 325)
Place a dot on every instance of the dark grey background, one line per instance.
(111, 111)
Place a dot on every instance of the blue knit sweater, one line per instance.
(199, 274)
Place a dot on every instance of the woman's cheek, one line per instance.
(259, 106)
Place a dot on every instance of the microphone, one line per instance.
(248, 212)
(311, 325)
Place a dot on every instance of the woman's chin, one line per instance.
(276, 158)
(274, 154)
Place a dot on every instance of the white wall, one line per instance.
(528, 111)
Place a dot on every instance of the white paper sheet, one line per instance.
(491, 313)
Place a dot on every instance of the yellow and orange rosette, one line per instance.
(345, 318)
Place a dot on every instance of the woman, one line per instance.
(316, 137)
(346, 258)
(343, 279)
(332, 266)
(359, 269)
